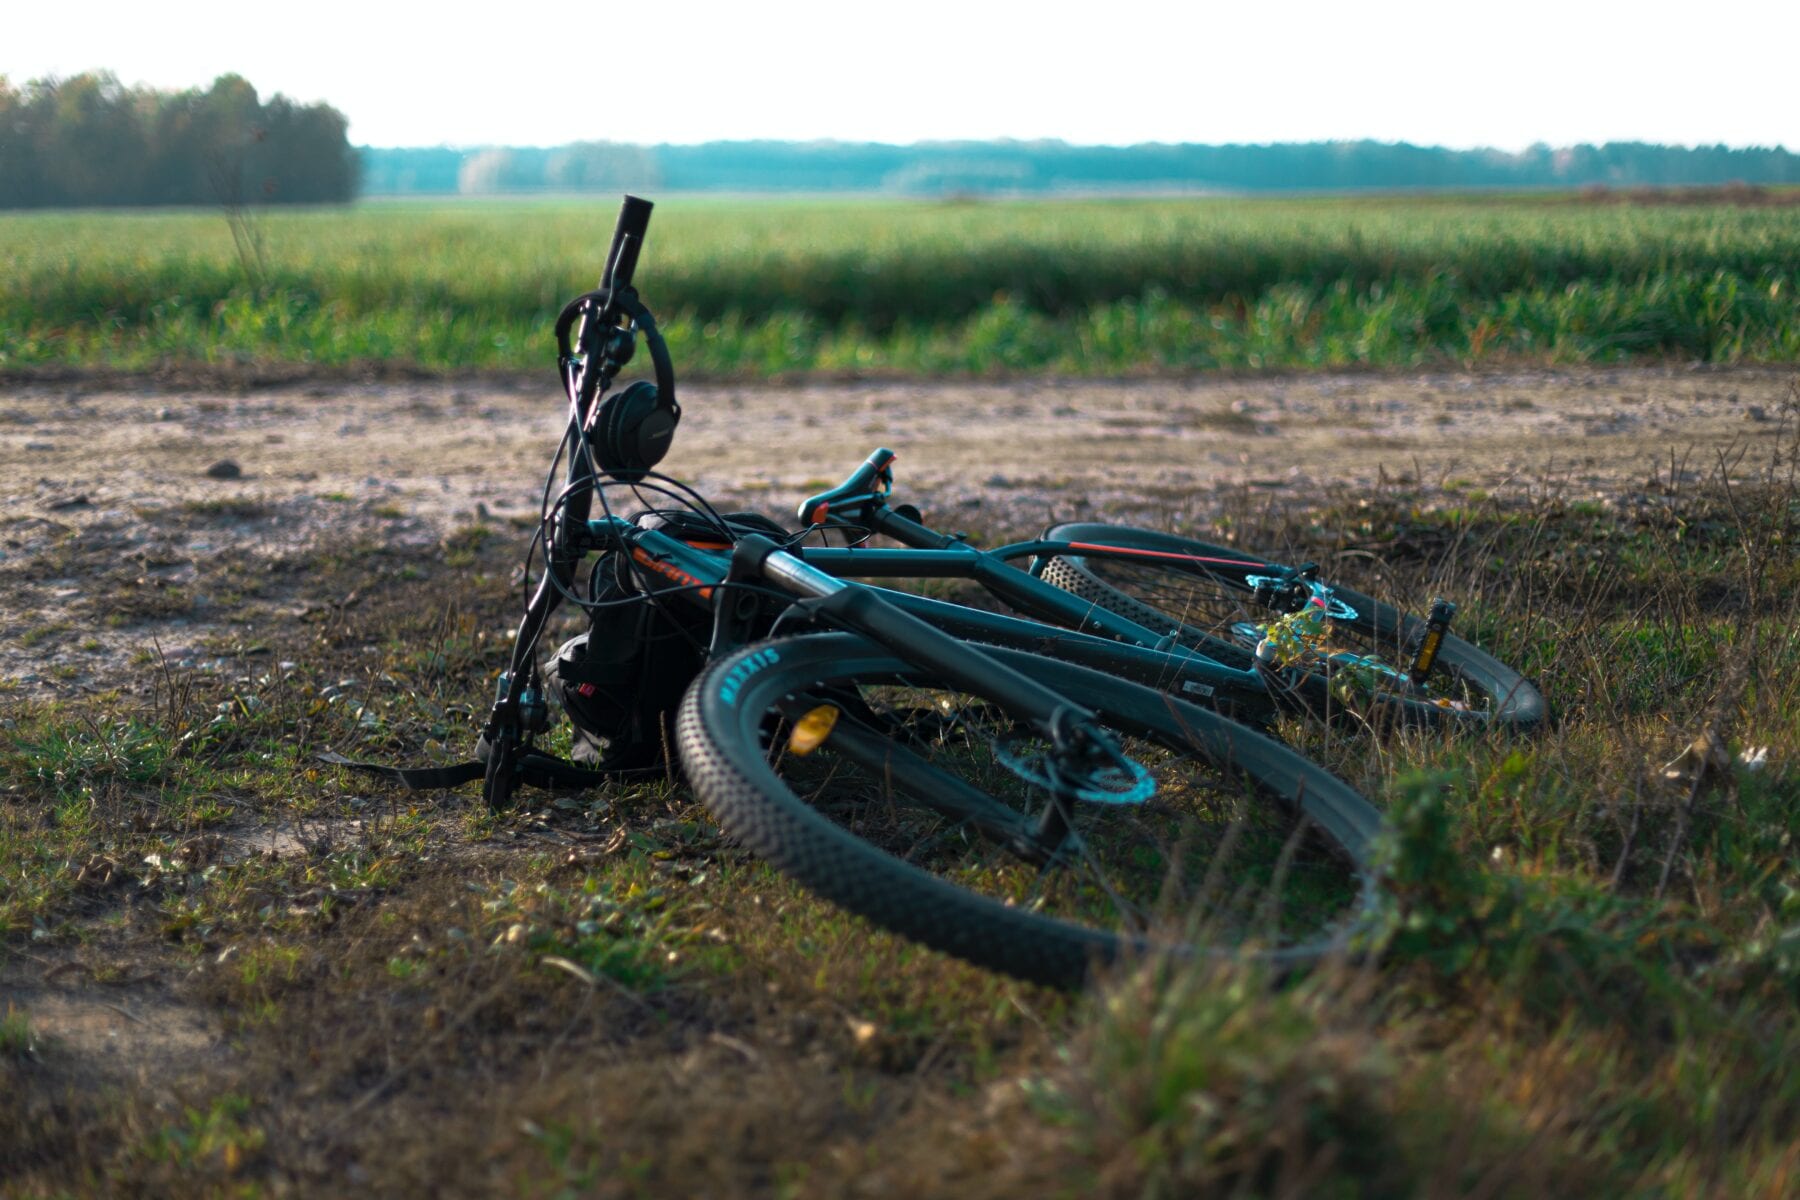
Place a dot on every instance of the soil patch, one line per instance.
(123, 542)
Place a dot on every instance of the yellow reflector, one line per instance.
(811, 730)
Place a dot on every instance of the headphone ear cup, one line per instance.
(610, 446)
(634, 429)
(600, 434)
(655, 433)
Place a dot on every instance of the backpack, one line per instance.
(621, 681)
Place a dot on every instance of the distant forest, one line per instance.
(88, 140)
(1036, 168)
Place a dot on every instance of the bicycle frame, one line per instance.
(1169, 665)
(1120, 645)
(702, 574)
(1239, 678)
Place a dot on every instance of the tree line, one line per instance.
(1048, 167)
(88, 140)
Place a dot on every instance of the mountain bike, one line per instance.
(1027, 813)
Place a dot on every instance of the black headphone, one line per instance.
(632, 429)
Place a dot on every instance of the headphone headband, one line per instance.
(631, 428)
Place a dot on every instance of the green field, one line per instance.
(771, 287)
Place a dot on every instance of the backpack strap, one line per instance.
(534, 768)
(418, 779)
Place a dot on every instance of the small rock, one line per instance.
(224, 469)
(1757, 412)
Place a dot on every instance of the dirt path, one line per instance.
(110, 492)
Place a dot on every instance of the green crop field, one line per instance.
(779, 286)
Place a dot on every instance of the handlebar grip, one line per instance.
(855, 489)
(627, 240)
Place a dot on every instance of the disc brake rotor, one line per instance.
(1121, 782)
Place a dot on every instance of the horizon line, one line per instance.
(926, 143)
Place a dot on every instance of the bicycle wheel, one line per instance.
(899, 813)
(1205, 596)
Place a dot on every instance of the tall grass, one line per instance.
(784, 286)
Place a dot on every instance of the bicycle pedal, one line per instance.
(811, 730)
(1437, 627)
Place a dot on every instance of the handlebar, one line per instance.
(590, 329)
(627, 240)
(612, 348)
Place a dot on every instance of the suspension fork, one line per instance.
(511, 718)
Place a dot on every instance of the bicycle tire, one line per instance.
(1170, 596)
(834, 825)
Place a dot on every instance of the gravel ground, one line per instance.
(157, 516)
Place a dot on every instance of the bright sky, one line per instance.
(521, 72)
